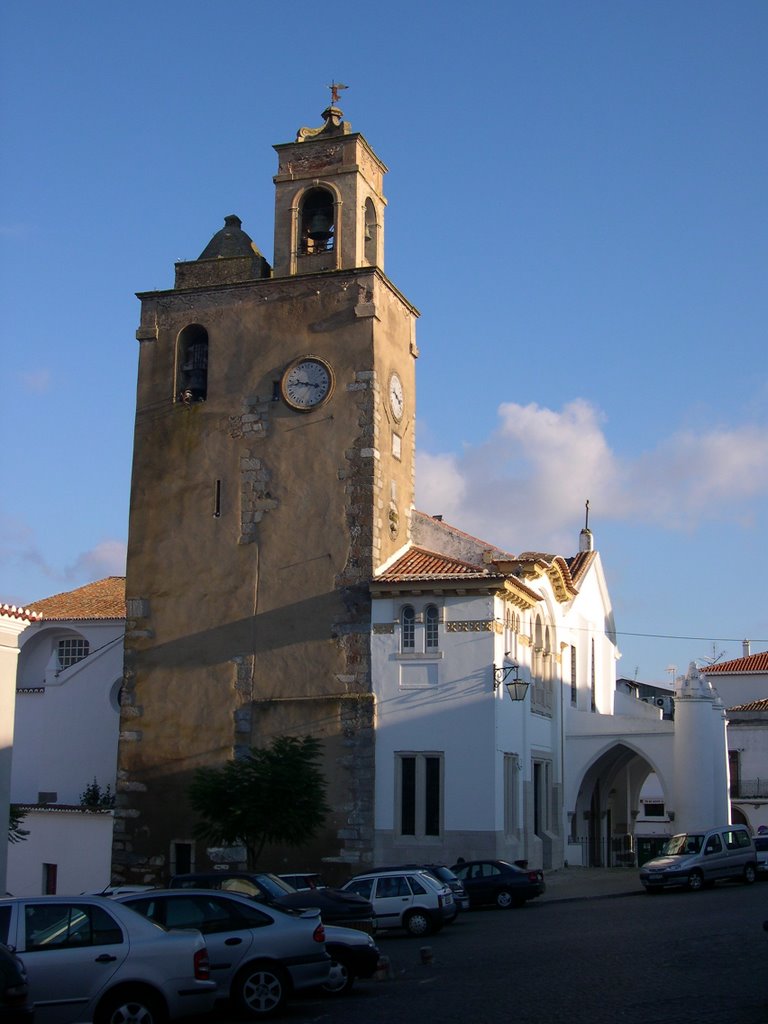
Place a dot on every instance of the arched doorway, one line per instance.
(607, 805)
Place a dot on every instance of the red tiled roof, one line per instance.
(11, 611)
(104, 599)
(420, 564)
(753, 705)
(579, 564)
(751, 663)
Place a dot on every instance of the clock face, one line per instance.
(307, 383)
(396, 400)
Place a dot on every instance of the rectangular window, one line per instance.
(419, 794)
(542, 796)
(593, 677)
(432, 796)
(574, 678)
(511, 777)
(72, 650)
(49, 879)
(408, 796)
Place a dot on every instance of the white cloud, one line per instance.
(526, 485)
(107, 558)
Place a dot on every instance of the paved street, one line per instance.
(638, 959)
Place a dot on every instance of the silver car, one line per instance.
(259, 954)
(414, 900)
(90, 959)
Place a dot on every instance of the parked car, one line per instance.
(761, 854)
(336, 907)
(499, 882)
(353, 955)
(442, 874)
(410, 899)
(700, 858)
(91, 959)
(15, 1003)
(303, 880)
(259, 955)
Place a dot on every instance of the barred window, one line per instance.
(72, 650)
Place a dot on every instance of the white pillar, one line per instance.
(700, 798)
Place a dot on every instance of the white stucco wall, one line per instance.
(79, 843)
(67, 722)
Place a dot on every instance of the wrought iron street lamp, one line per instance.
(516, 687)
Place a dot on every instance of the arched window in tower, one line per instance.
(371, 234)
(192, 371)
(317, 224)
(431, 631)
(407, 628)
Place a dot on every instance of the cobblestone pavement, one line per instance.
(589, 883)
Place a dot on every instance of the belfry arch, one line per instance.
(604, 807)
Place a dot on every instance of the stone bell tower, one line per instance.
(272, 475)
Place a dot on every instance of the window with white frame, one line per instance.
(419, 794)
(407, 628)
(71, 650)
(431, 631)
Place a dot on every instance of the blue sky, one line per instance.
(577, 205)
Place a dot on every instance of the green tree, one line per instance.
(271, 795)
(94, 796)
(16, 834)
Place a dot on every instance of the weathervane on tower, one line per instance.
(336, 88)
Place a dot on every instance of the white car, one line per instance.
(761, 848)
(259, 954)
(414, 900)
(92, 960)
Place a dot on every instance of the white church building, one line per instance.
(464, 767)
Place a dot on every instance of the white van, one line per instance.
(701, 858)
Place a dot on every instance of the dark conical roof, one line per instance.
(231, 240)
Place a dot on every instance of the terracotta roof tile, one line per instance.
(420, 564)
(751, 663)
(752, 705)
(104, 599)
(11, 611)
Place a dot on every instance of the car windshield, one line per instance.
(443, 873)
(684, 843)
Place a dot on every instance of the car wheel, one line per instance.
(695, 881)
(130, 1006)
(749, 874)
(342, 977)
(417, 922)
(504, 899)
(260, 990)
